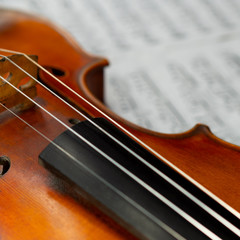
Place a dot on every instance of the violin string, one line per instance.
(173, 183)
(157, 171)
(158, 155)
(132, 202)
(155, 193)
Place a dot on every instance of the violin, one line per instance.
(70, 168)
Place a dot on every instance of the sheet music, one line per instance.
(174, 63)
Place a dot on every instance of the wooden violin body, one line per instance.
(34, 204)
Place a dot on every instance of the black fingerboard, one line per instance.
(123, 199)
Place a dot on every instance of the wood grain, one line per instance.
(34, 204)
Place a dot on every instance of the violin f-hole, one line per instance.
(4, 165)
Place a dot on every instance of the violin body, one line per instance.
(34, 203)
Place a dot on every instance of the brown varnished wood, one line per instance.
(36, 205)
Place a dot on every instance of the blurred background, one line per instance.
(173, 63)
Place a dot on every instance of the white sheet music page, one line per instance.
(174, 63)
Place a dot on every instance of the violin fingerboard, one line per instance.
(119, 196)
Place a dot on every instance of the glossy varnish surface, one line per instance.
(34, 204)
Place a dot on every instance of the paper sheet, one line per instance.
(174, 63)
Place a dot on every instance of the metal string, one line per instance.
(186, 193)
(222, 220)
(209, 193)
(161, 174)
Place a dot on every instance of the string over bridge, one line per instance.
(13, 74)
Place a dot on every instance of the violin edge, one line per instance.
(198, 128)
(92, 75)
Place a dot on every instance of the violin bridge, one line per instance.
(9, 96)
